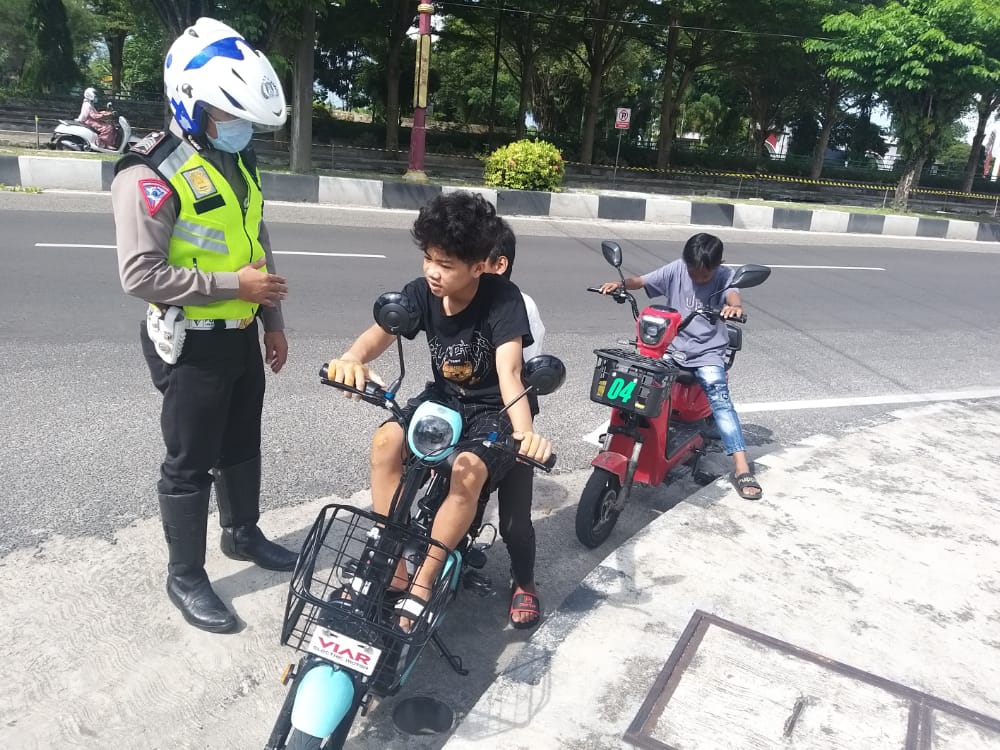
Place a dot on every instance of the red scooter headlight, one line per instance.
(652, 329)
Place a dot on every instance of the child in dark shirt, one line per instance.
(476, 327)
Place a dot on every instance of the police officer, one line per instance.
(191, 242)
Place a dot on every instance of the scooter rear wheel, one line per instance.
(596, 514)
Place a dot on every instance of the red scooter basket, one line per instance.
(631, 382)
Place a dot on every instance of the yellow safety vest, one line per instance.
(213, 232)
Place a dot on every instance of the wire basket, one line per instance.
(631, 382)
(340, 606)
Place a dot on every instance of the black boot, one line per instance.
(237, 488)
(185, 522)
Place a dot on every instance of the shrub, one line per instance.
(525, 165)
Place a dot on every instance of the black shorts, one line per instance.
(477, 420)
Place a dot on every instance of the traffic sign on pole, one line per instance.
(622, 118)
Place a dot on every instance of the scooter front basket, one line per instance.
(339, 604)
(631, 382)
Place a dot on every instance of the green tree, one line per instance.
(368, 39)
(116, 20)
(606, 27)
(925, 59)
(987, 104)
(465, 93)
(52, 66)
(16, 44)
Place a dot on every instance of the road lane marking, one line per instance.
(273, 252)
(328, 255)
(816, 268)
(970, 394)
(95, 247)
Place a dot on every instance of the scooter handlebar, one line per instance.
(512, 446)
(373, 392)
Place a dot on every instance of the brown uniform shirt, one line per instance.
(144, 240)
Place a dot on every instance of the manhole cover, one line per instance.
(724, 682)
(423, 715)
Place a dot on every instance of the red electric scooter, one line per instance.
(660, 415)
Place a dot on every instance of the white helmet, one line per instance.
(210, 63)
(90, 94)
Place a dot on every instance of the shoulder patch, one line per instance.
(150, 142)
(155, 193)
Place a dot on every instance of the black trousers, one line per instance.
(212, 403)
(514, 497)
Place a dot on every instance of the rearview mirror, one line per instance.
(612, 253)
(749, 275)
(396, 314)
(544, 374)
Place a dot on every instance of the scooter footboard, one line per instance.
(323, 697)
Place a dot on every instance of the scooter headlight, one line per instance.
(434, 431)
(651, 329)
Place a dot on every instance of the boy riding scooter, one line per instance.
(687, 283)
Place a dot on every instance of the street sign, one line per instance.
(622, 118)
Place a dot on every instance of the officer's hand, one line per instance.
(275, 350)
(534, 446)
(260, 286)
(609, 287)
(732, 311)
(349, 372)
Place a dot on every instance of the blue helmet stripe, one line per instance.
(223, 48)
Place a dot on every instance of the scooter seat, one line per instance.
(685, 376)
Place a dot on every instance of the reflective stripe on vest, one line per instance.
(222, 237)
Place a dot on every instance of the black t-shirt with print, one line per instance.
(463, 346)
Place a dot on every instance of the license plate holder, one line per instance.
(344, 651)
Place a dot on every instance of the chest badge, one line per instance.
(200, 183)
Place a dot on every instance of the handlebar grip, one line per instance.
(513, 445)
(594, 289)
(546, 466)
(741, 319)
(373, 393)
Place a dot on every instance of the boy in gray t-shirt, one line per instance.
(698, 278)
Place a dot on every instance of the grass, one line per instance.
(18, 189)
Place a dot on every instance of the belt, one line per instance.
(219, 324)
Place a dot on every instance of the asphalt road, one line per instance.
(80, 432)
(79, 436)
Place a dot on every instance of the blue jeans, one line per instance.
(713, 380)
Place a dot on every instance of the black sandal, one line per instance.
(747, 481)
(524, 603)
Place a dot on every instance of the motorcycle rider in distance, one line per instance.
(96, 119)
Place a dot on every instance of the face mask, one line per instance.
(233, 135)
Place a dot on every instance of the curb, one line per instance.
(84, 174)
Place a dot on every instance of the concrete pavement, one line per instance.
(880, 551)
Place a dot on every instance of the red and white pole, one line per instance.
(418, 135)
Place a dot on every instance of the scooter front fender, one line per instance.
(613, 462)
(322, 699)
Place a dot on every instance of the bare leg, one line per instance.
(386, 470)
(468, 475)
